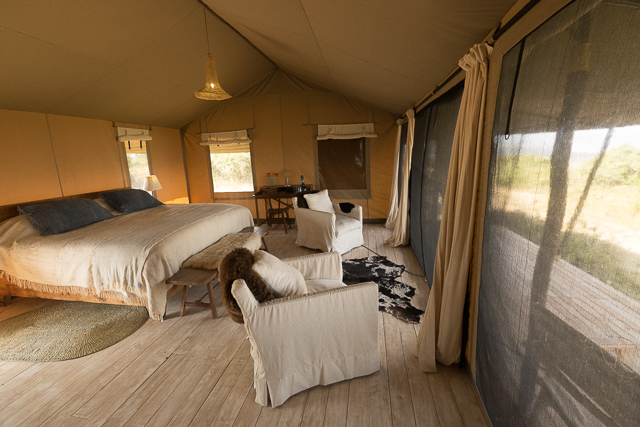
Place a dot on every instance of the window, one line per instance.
(401, 156)
(138, 162)
(231, 167)
(559, 300)
(433, 138)
(343, 167)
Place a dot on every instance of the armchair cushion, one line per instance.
(320, 285)
(344, 224)
(320, 202)
(326, 265)
(282, 279)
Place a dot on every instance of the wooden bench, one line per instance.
(188, 277)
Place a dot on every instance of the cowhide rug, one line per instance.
(394, 297)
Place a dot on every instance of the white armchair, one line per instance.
(327, 335)
(339, 232)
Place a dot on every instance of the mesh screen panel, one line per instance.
(402, 154)
(559, 303)
(342, 164)
(435, 126)
(415, 195)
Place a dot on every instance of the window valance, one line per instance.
(133, 134)
(353, 131)
(236, 141)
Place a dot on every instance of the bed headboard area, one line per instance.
(9, 211)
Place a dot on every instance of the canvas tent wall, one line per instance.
(48, 156)
(282, 114)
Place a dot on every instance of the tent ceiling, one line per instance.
(386, 54)
(134, 61)
(139, 61)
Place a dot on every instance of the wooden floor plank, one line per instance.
(250, 411)
(446, 406)
(379, 384)
(424, 407)
(465, 397)
(236, 398)
(316, 407)
(184, 403)
(142, 394)
(359, 409)
(269, 417)
(13, 412)
(10, 370)
(400, 392)
(409, 338)
(293, 410)
(211, 406)
(337, 404)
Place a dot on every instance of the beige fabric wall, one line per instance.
(166, 157)
(87, 154)
(28, 166)
(282, 114)
(48, 156)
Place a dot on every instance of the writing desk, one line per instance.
(278, 194)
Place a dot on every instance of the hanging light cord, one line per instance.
(206, 28)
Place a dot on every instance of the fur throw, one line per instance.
(237, 265)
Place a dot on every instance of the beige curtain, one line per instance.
(400, 236)
(393, 199)
(441, 334)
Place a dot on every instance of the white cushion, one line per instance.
(320, 202)
(344, 224)
(319, 285)
(282, 279)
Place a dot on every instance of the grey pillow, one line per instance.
(130, 200)
(65, 215)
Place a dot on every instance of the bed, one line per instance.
(122, 260)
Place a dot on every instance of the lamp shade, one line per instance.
(151, 183)
(212, 90)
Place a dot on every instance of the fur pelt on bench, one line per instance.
(237, 265)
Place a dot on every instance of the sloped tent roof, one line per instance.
(130, 61)
(552, 53)
(383, 53)
(278, 82)
(139, 61)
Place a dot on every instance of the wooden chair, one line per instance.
(277, 213)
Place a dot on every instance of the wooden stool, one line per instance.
(259, 230)
(188, 277)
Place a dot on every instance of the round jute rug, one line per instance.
(67, 330)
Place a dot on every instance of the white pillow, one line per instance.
(282, 279)
(320, 202)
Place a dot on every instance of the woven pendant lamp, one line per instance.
(212, 90)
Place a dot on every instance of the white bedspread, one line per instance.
(131, 255)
